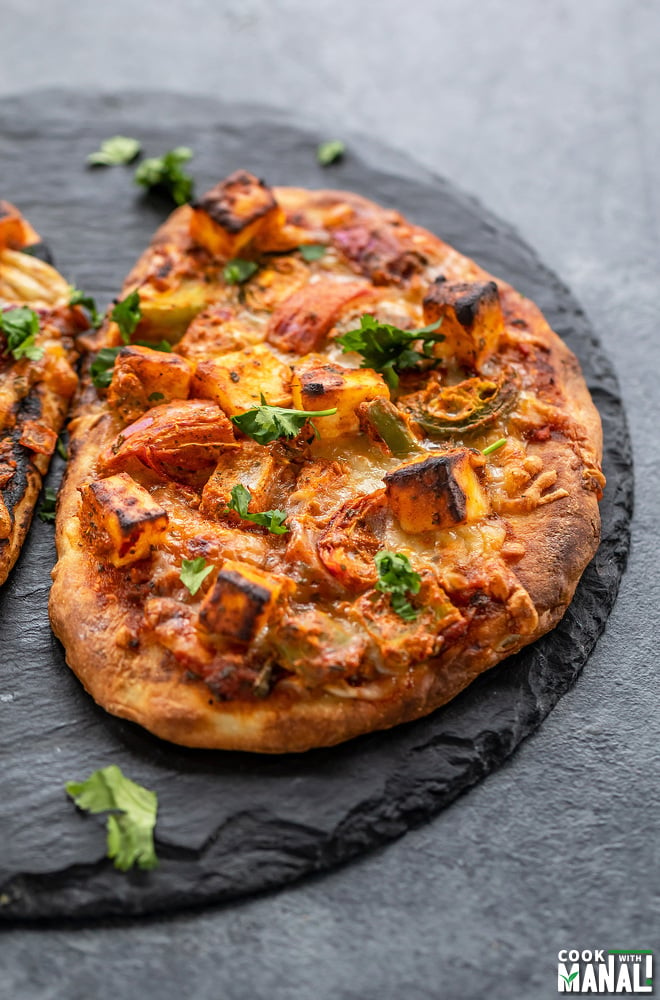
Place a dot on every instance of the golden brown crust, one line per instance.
(543, 527)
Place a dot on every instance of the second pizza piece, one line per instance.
(38, 326)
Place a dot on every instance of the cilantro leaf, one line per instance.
(166, 173)
(193, 573)
(329, 152)
(80, 298)
(132, 816)
(103, 364)
(271, 519)
(127, 314)
(312, 251)
(114, 151)
(47, 509)
(397, 578)
(237, 270)
(62, 449)
(387, 349)
(266, 423)
(20, 326)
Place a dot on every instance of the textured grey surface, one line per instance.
(549, 113)
(234, 823)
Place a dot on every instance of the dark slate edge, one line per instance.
(224, 869)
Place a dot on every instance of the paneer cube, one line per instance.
(233, 213)
(438, 492)
(142, 378)
(327, 386)
(15, 231)
(120, 519)
(241, 601)
(472, 320)
(235, 381)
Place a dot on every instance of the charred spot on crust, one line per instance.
(16, 460)
(238, 201)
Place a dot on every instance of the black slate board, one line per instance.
(233, 823)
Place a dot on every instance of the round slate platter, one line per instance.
(232, 823)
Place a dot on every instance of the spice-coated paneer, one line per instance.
(240, 601)
(233, 213)
(472, 321)
(142, 378)
(120, 519)
(328, 386)
(236, 381)
(15, 231)
(439, 492)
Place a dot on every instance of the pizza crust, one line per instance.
(148, 686)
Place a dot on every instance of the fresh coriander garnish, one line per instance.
(47, 509)
(329, 152)
(495, 446)
(155, 397)
(62, 449)
(387, 349)
(397, 578)
(266, 423)
(166, 173)
(102, 365)
(80, 298)
(271, 519)
(20, 326)
(237, 270)
(104, 362)
(114, 151)
(127, 314)
(312, 251)
(194, 572)
(132, 818)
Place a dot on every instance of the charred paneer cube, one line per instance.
(142, 378)
(472, 320)
(120, 519)
(237, 380)
(233, 213)
(240, 601)
(328, 386)
(439, 492)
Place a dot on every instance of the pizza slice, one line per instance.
(37, 375)
(325, 471)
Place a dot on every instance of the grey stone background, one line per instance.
(548, 111)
